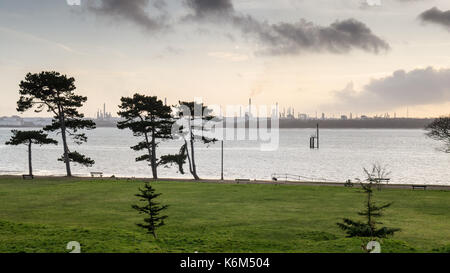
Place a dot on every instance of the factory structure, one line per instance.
(103, 115)
(289, 113)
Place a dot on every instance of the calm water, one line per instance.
(409, 154)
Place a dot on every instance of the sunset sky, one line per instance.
(332, 56)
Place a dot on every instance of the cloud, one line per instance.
(339, 37)
(273, 39)
(290, 38)
(436, 16)
(132, 11)
(417, 87)
(210, 8)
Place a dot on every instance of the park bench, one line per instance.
(380, 180)
(93, 174)
(424, 187)
(27, 177)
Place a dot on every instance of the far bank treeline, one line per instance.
(146, 116)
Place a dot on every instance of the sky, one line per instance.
(327, 56)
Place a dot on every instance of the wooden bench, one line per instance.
(380, 180)
(424, 187)
(242, 180)
(93, 174)
(27, 177)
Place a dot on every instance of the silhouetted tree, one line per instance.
(439, 129)
(151, 209)
(192, 128)
(56, 93)
(148, 117)
(176, 159)
(377, 174)
(371, 212)
(28, 138)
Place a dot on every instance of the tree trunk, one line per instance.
(369, 212)
(194, 169)
(153, 158)
(64, 139)
(150, 156)
(188, 156)
(30, 167)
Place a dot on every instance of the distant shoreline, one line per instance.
(240, 181)
(380, 123)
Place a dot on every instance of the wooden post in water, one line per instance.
(317, 136)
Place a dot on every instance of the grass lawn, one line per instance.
(45, 214)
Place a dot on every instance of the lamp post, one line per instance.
(221, 177)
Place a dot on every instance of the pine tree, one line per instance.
(28, 138)
(151, 209)
(371, 212)
(56, 93)
(193, 118)
(149, 118)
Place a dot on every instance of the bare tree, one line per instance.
(378, 174)
(439, 130)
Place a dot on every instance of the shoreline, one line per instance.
(241, 181)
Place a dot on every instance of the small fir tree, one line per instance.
(371, 212)
(151, 209)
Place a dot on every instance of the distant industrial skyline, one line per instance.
(333, 57)
(249, 111)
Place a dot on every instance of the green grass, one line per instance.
(45, 214)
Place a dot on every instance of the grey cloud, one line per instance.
(130, 10)
(339, 37)
(417, 87)
(436, 16)
(210, 8)
(291, 38)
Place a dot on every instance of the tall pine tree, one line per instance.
(147, 117)
(56, 94)
(192, 120)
